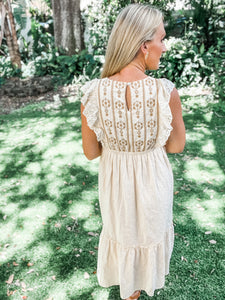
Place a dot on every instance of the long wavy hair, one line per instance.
(135, 25)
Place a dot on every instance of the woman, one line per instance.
(131, 120)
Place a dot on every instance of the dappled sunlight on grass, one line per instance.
(81, 210)
(203, 170)
(208, 212)
(50, 216)
(20, 227)
(93, 223)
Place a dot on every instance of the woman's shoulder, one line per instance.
(166, 84)
(89, 85)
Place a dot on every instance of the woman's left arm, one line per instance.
(91, 147)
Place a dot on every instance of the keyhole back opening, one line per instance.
(128, 97)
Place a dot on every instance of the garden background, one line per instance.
(49, 213)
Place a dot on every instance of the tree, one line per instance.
(68, 31)
(8, 29)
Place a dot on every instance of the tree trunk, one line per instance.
(8, 29)
(15, 58)
(78, 30)
(67, 25)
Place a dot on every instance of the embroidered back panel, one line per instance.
(128, 130)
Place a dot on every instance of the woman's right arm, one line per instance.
(91, 147)
(176, 140)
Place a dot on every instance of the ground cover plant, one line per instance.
(49, 213)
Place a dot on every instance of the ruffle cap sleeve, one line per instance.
(164, 88)
(91, 111)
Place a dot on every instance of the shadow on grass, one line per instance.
(50, 218)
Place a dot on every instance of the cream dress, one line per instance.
(135, 181)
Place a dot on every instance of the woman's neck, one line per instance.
(132, 72)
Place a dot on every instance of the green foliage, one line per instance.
(7, 70)
(19, 13)
(42, 33)
(64, 67)
(185, 62)
(218, 64)
(101, 15)
(208, 17)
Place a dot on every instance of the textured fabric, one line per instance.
(135, 181)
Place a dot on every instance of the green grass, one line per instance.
(49, 212)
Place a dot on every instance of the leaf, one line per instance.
(10, 280)
(15, 264)
(212, 242)
(177, 192)
(92, 233)
(23, 285)
(183, 258)
(208, 232)
(86, 275)
(31, 271)
(30, 264)
(17, 283)
(53, 277)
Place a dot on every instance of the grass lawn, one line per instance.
(49, 213)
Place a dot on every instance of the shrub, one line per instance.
(217, 79)
(101, 15)
(64, 67)
(7, 70)
(185, 62)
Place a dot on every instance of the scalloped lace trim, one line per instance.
(165, 115)
(89, 100)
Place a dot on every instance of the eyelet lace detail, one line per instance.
(165, 88)
(91, 110)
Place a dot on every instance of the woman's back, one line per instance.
(132, 116)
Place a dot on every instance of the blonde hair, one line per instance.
(134, 25)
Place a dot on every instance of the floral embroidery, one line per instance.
(150, 103)
(119, 84)
(137, 105)
(133, 131)
(138, 126)
(136, 84)
(108, 124)
(151, 123)
(106, 104)
(120, 125)
(119, 105)
(113, 143)
(123, 144)
(105, 83)
(138, 145)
